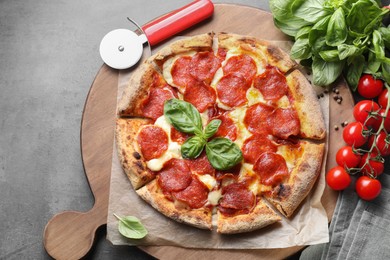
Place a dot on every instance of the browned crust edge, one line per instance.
(303, 177)
(200, 218)
(131, 160)
(261, 216)
(306, 104)
(274, 55)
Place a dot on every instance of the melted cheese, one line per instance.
(208, 180)
(173, 151)
(214, 197)
(237, 116)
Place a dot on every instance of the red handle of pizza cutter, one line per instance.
(177, 21)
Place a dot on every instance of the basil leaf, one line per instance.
(346, 50)
(376, 22)
(309, 10)
(183, 116)
(379, 47)
(373, 64)
(284, 19)
(222, 153)
(324, 73)
(336, 32)
(386, 71)
(212, 128)
(354, 71)
(303, 32)
(385, 32)
(301, 49)
(192, 147)
(330, 55)
(131, 227)
(361, 14)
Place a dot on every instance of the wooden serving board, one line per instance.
(70, 234)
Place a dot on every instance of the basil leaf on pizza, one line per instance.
(223, 154)
(212, 128)
(193, 147)
(183, 116)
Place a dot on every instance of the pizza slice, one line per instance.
(179, 194)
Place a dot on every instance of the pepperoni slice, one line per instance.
(272, 84)
(175, 176)
(241, 64)
(204, 65)
(236, 197)
(271, 168)
(199, 94)
(195, 195)
(153, 106)
(180, 71)
(254, 146)
(221, 53)
(256, 118)
(201, 165)
(231, 90)
(227, 128)
(153, 141)
(177, 136)
(284, 122)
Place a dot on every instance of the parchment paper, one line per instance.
(308, 226)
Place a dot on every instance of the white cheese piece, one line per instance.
(174, 151)
(214, 197)
(208, 180)
(238, 116)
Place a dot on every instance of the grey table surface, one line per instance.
(48, 60)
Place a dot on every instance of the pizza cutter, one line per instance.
(122, 48)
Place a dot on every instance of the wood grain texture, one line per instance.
(70, 235)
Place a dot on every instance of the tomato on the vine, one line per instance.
(373, 166)
(368, 188)
(353, 134)
(347, 157)
(361, 112)
(338, 178)
(383, 97)
(386, 123)
(369, 87)
(382, 143)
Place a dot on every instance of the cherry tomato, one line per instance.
(338, 178)
(373, 167)
(346, 157)
(383, 97)
(382, 143)
(369, 87)
(368, 188)
(362, 109)
(386, 124)
(353, 134)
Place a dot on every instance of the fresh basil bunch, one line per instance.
(336, 37)
(221, 152)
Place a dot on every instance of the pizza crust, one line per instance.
(271, 54)
(130, 158)
(136, 91)
(288, 196)
(261, 216)
(202, 42)
(200, 218)
(307, 106)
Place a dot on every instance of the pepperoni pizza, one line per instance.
(265, 106)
